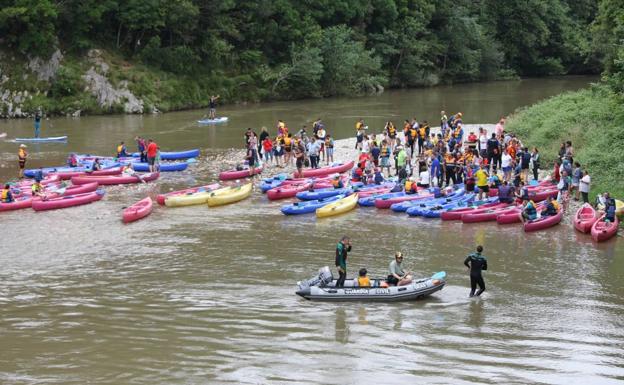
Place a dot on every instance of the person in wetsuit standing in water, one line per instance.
(476, 263)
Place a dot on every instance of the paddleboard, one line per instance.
(48, 139)
(3, 135)
(221, 119)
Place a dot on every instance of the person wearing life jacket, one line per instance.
(363, 280)
(411, 139)
(36, 188)
(443, 122)
(411, 187)
(281, 128)
(551, 209)
(337, 182)
(529, 210)
(449, 167)
(422, 134)
(97, 166)
(21, 158)
(121, 150)
(288, 145)
(359, 125)
(471, 141)
(6, 196)
(391, 130)
(72, 161)
(458, 133)
(610, 207)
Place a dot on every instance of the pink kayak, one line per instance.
(287, 191)
(585, 218)
(71, 174)
(485, 214)
(515, 215)
(542, 195)
(456, 214)
(67, 201)
(19, 203)
(368, 192)
(160, 198)
(45, 181)
(112, 179)
(543, 222)
(601, 230)
(382, 203)
(26, 200)
(339, 168)
(139, 210)
(238, 174)
(543, 185)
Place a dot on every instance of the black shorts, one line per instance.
(299, 162)
(484, 189)
(22, 164)
(392, 280)
(151, 161)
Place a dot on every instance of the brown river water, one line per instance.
(206, 296)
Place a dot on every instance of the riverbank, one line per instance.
(591, 119)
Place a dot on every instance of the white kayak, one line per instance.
(48, 139)
(221, 119)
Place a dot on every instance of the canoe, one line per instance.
(160, 198)
(585, 218)
(601, 230)
(139, 210)
(309, 206)
(163, 167)
(238, 174)
(509, 217)
(287, 191)
(173, 155)
(50, 179)
(456, 213)
(26, 199)
(67, 201)
(543, 222)
(197, 197)
(70, 174)
(234, 194)
(323, 171)
(338, 207)
(221, 119)
(309, 195)
(487, 214)
(113, 180)
(435, 212)
(323, 288)
(384, 202)
(434, 205)
(45, 139)
(19, 203)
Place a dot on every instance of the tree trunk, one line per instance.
(119, 33)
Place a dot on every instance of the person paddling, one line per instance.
(212, 104)
(342, 248)
(38, 115)
(476, 263)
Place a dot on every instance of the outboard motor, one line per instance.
(323, 278)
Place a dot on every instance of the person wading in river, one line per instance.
(342, 248)
(476, 263)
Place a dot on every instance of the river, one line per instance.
(196, 295)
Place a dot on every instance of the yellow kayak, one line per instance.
(229, 195)
(196, 198)
(338, 207)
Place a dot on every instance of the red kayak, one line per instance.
(543, 222)
(160, 198)
(514, 216)
(238, 174)
(44, 182)
(383, 203)
(287, 191)
(67, 201)
(601, 230)
(112, 179)
(139, 210)
(368, 192)
(339, 168)
(19, 203)
(542, 195)
(456, 214)
(71, 174)
(585, 218)
(25, 201)
(486, 214)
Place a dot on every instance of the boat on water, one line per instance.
(43, 140)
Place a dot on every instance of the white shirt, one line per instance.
(365, 146)
(423, 178)
(584, 184)
(506, 160)
(483, 141)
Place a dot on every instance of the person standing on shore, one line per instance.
(535, 163)
(141, 148)
(342, 248)
(584, 184)
(476, 263)
(152, 151)
(22, 155)
(38, 116)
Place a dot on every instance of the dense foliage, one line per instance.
(304, 48)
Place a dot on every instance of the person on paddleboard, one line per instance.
(476, 262)
(212, 104)
(38, 115)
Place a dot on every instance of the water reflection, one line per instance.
(341, 329)
(476, 313)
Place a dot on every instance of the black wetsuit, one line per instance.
(476, 262)
(341, 261)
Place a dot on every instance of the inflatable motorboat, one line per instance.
(323, 288)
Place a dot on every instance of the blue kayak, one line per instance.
(323, 193)
(434, 212)
(309, 206)
(43, 140)
(370, 200)
(403, 206)
(275, 181)
(420, 209)
(174, 155)
(32, 172)
(164, 167)
(218, 120)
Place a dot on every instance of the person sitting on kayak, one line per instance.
(506, 193)
(529, 211)
(36, 188)
(97, 166)
(552, 208)
(411, 186)
(610, 207)
(337, 182)
(522, 192)
(397, 275)
(121, 150)
(378, 178)
(73, 160)
(6, 196)
(363, 280)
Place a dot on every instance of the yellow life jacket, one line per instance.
(35, 188)
(556, 205)
(287, 141)
(358, 125)
(457, 132)
(119, 149)
(422, 131)
(363, 281)
(21, 153)
(413, 133)
(391, 130)
(408, 185)
(4, 196)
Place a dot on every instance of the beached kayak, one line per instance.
(172, 155)
(287, 191)
(585, 218)
(338, 207)
(307, 207)
(221, 119)
(193, 198)
(43, 140)
(67, 175)
(113, 179)
(232, 195)
(438, 204)
(160, 198)
(385, 201)
(543, 222)
(542, 195)
(323, 288)
(488, 213)
(238, 174)
(601, 230)
(455, 214)
(162, 167)
(67, 201)
(139, 210)
(435, 212)
(322, 193)
(323, 171)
